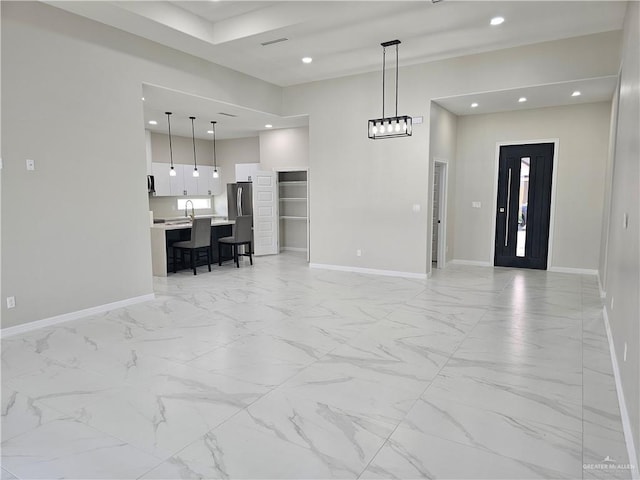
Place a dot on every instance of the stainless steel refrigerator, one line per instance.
(239, 199)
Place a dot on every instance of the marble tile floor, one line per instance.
(279, 371)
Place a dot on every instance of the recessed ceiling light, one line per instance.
(268, 125)
(497, 21)
(307, 59)
(522, 99)
(143, 99)
(152, 122)
(474, 105)
(576, 94)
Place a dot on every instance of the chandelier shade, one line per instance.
(172, 171)
(389, 127)
(216, 174)
(196, 173)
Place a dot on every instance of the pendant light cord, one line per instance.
(384, 51)
(396, 80)
(170, 146)
(215, 164)
(193, 136)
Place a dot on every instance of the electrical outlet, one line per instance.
(31, 164)
(358, 253)
(625, 221)
(11, 302)
(624, 356)
(416, 207)
(476, 204)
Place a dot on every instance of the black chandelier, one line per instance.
(389, 127)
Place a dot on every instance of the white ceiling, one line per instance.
(591, 90)
(343, 38)
(245, 122)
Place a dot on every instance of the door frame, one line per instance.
(275, 200)
(441, 260)
(297, 169)
(554, 183)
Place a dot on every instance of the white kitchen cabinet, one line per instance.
(205, 180)
(217, 187)
(177, 182)
(207, 185)
(160, 172)
(190, 185)
(245, 172)
(184, 183)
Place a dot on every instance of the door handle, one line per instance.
(506, 230)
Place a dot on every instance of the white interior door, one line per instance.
(442, 214)
(265, 213)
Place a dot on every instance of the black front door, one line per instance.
(524, 205)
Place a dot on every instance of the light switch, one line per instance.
(476, 204)
(416, 207)
(31, 164)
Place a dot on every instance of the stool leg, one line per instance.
(250, 257)
(209, 257)
(192, 253)
(219, 254)
(175, 259)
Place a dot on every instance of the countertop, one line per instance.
(181, 224)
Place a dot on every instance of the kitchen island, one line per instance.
(163, 235)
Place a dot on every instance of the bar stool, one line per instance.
(241, 236)
(200, 239)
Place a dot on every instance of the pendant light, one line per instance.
(172, 172)
(389, 127)
(216, 174)
(196, 173)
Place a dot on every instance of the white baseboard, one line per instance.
(66, 317)
(292, 249)
(624, 413)
(369, 271)
(576, 271)
(475, 263)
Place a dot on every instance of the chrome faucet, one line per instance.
(193, 213)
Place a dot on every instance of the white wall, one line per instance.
(621, 276)
(442, 146)
(583, 133)
(76, 234)
(363, 190)
(230, 152)
(182, 149)
(285, 148)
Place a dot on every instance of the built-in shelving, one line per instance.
(294, 210)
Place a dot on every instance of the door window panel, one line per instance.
(523, 201)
